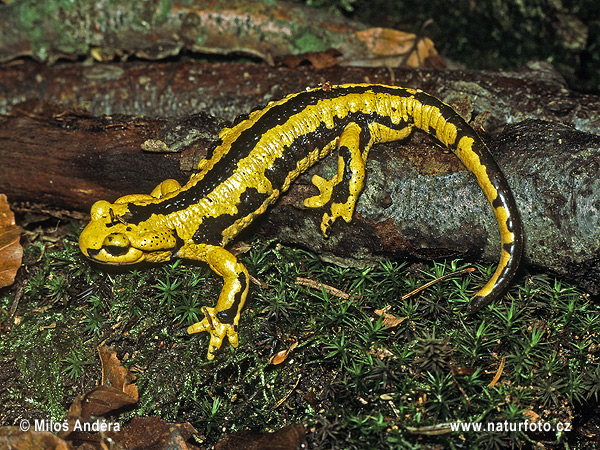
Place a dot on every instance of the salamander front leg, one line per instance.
(222, 320)
(164, 188)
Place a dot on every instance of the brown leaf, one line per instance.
(11, 252)
(282, 355)
(319, 60)
(115, 375)
(14, 438)
(143, 433)
(531, 415)
(153, 433)
(387, 41)
(99, 401)
(389, 320)
(292, 437)
(116, 391)
(392, 48)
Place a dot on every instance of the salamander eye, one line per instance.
(116, 244)
(100, 209)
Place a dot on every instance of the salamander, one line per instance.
(256, 161)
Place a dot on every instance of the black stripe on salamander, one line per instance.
(274, 116)
(341, 191)
(211, 229)
(504, 199)
(228, 315)
(244, 144)
(319, 138)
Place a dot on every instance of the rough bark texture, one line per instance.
(179, 89)
(418, 202)
(69, 161)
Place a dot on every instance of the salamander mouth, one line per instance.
(115, 255)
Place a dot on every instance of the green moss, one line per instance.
(352, 379)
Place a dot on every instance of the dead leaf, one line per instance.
(142, 433)
(389, 320)
(392, 48)
(240, 248)
(387, 41)
(99, 401)
(292, 437)
(11, 252)
(281, 356)
(115, 392)
(154, 432)
(531, 415)
(319, 60)
(14, 438)
(115, 375)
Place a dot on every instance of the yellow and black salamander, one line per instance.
(257, 160)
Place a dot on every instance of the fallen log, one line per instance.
(225, 90)
(274, 31)
(418, 202)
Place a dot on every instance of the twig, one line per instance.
(432, 282)
(318, 285)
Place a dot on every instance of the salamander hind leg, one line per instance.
(222, 320)
(343, 189)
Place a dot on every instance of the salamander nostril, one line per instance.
(116, 244)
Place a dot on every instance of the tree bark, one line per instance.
(225, 90)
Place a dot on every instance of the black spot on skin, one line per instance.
(509, 223)
(497, 202)
(341, 191)
(116, 250)
(227, 316)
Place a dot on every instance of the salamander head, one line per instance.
(110, 239)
